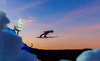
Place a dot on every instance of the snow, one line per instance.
(10, 44)
(3, 20)
(90, 55)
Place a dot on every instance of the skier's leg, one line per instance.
(41, 35)
(45, 35)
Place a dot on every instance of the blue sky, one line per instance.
(74, 21)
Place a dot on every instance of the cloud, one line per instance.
(87, 10)
(90, 55)
(30, 5)
(29, 21)
(77, 14)
(32, 17)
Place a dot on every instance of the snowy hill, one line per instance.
(90, 55)
(10, 44)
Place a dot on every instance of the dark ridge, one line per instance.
(56, 55)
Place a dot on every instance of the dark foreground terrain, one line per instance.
(56, 55)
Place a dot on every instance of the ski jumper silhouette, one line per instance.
(46, 33)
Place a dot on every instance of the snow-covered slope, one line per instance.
(10, 44)
(90, 55)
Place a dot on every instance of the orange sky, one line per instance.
(79, 37)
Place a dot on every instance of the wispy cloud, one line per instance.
(32, 17)
(29, 5)
(87, 10)
(29, 21)
(77, 14)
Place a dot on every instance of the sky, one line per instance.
(76, 23)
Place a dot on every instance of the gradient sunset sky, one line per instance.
(75, 22)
